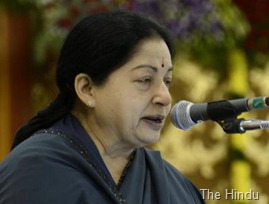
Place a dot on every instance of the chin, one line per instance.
(150, 139)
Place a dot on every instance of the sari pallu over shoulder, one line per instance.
(151, 179)
(51, 167)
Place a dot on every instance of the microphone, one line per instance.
(185, 114)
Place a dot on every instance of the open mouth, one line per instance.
(154, 121)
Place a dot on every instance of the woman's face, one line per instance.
(130, 108)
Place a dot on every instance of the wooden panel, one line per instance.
(15, 76)
(5, 135)
(20, 70)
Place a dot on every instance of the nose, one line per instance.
(162, 95)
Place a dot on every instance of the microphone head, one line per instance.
(180, 115)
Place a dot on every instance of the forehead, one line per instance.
(149, 55)
(153, 52)
(153, 46)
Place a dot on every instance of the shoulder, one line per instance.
(42, 153)
(44, 149)
(40, 146)
(44, 163)
(156, 157)
(178, 182)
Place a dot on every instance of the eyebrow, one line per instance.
(155, 69)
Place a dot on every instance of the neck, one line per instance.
(114, 156)
(114, 153)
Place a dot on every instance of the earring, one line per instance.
(90, 103)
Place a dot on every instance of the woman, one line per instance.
(87, 146)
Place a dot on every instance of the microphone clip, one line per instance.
(231, 126)
(225, 114)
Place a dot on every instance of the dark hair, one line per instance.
(98, 45)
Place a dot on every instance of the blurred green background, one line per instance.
(222, 53)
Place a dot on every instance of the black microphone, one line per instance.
(185, 114)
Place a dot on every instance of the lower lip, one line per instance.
(154, 125)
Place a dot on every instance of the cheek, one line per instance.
(168, 108)
(129, 111)
(124, 106)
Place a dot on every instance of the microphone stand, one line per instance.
(241, 125)
(225, 114)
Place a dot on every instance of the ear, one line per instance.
(84, 89)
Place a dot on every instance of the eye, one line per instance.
(145, 80)
(168, 82)
(144, 83)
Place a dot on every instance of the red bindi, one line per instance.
(162, 62)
